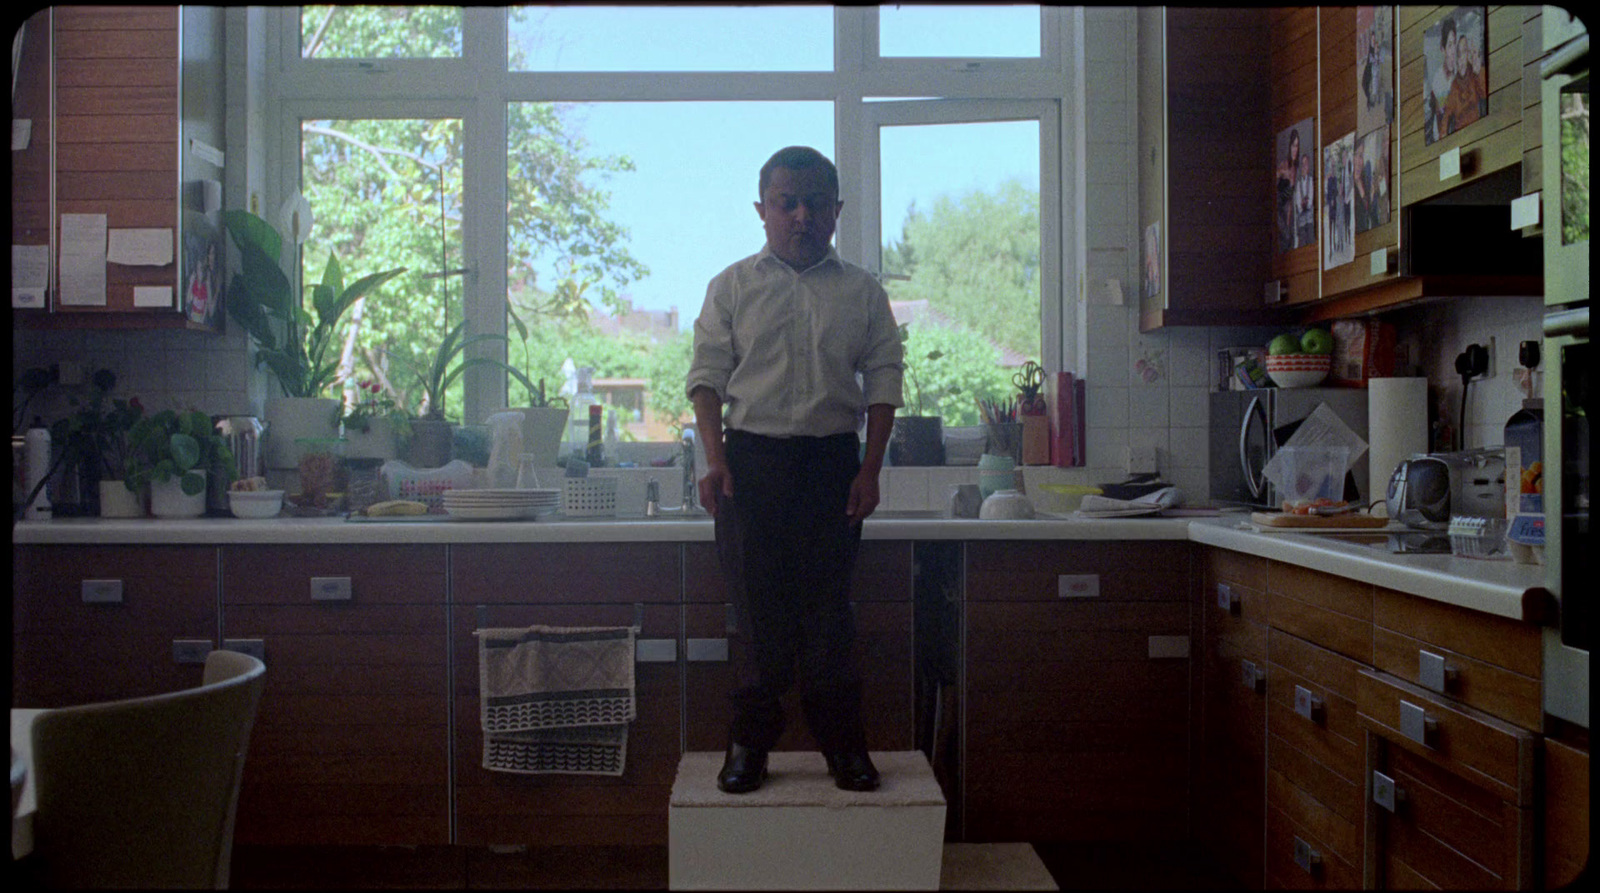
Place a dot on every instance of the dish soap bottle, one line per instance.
(1524, 440)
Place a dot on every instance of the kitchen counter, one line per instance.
(1502, 588)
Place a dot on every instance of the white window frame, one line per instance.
(478, 87)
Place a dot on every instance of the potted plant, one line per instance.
(95, 445)
(431, 432)
(374, 424)
(917, 439)
(171, 453)
(305, 360)
(544, 418)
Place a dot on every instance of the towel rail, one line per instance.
(645, 651)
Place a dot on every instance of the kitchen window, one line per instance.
(584, 171)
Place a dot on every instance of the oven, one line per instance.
(1568, 388)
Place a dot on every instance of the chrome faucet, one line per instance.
(691, 493)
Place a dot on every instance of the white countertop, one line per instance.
(1495, 587)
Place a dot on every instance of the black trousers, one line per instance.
(787, 551)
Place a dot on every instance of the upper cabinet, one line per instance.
(1203, 212)
(126, 113)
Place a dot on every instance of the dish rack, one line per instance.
(1477, 537)
(589, 496)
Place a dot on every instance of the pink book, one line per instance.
(1060, 405)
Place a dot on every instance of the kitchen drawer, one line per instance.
(1237, 568)
(377, 574)
(1330, 611)
(1340, 834)
(883, 572)
(566, 573)
(1491, 663)
(1292, 832)
(1566, 813)
(1473, 745)
(1304, 679)
(1042, 570)
(1446, 832)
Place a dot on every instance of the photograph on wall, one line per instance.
(1374, 67)
(1296, 185)
(203, 251)
(1152, 260)
(1455, 73)
(1372, 180)
(1338, 220)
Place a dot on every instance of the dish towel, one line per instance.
(556, 699)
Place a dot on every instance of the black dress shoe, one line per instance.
(744, 769)
(853, 771)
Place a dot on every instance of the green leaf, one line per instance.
(192, 483)
(247, 228)
(185, 451)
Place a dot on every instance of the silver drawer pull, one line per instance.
(1306, 856)
(1307, 704)
(1227, 599)
(1416, 724)
(102, 592)
(1253, 677)
(1433, 671)
(1386, 793)
(706, 650)
(655, 651)
(330, 589)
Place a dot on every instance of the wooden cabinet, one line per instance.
(351, 741)
(881, 589)
(99, 623)
(1566, 810)
(1204, 215)
(125, 136)
(1077, 690)
(1230, 764)
(568, 584)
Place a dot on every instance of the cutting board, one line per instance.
(1348, 521)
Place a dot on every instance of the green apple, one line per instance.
(1285, 343)
(1316, 341)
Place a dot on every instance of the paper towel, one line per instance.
(1397, 425)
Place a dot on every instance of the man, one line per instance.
(779, 343)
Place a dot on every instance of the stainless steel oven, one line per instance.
(1568, 388)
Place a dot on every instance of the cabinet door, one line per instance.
(1077, 690)
(1296, 227)
(1230, 766)
(98, 623)
(881, 590)
(351, 739)
(569, 584)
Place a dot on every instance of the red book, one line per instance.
(1060, 405)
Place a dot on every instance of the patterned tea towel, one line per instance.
(556, 699)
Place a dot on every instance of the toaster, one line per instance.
(1426, 489)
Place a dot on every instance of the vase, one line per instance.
(379, 441)
(542, 430)
(116, 501)
(430, 443)
(167, 499)
(296, 418)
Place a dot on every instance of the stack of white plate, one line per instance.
(500, 505)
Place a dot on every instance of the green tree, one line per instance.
(967, 370)
(976, 259)
(386, 193)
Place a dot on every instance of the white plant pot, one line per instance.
(117, 502)
(294, 418)
(167, 499)
(379, 441)
(542, 430)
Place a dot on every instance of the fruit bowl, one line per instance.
(1299, 370)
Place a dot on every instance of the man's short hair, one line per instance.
(1447, 29)
(797, 158)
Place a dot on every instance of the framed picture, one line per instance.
(1152, 260)
(1455, 73)
(1295, 187)
(1371, 166)
(1374, 67)
(1338, 220)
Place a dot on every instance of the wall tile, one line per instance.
(1188, 407)
(1189, 447)
(1147, 407)
(1106, 407)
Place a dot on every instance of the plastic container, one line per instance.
(589, 496)
(425, 485)
(1478, 537)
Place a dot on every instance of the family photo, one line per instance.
(1455, 73)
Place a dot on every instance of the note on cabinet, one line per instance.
(83, 260)
(152, 296)
(30, 275)
(149, 247)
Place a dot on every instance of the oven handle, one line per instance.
(1567, 322)
(1244, 438)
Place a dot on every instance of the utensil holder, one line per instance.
(1005, 439)
(1035, 440)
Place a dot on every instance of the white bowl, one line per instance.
(1005, 505)
(255, 503)
(1299, 370)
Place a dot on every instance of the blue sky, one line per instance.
(688, 204)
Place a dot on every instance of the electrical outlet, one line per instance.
(190, 651)
(1142, 459)
(256, 648)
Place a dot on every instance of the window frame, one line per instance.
(478, 86)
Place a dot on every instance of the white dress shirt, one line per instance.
(782, 348)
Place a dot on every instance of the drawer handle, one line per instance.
(103, 592)
(330, 589)
(1227, 599)
(1306, 856)
(1307, 704)
(1416, 724)
(706, 650)
(1433, 671)
(1252, 676)
(655, 651)
(1386, 793)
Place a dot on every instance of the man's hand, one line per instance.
(863, 497)
(718, 482)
